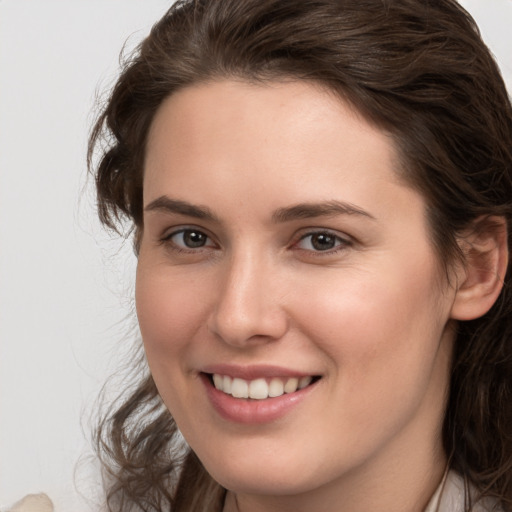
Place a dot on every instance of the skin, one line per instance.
(371, 315)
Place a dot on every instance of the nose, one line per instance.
(249, 307)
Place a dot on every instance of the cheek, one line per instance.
(375, 326)
(169, 311)
(169, 314)
(383, 339)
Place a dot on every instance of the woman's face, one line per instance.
(280, 250)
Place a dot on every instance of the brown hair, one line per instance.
(418, 69)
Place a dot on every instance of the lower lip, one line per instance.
(253, 412)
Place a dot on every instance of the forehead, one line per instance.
(296, 103)
(297, 131)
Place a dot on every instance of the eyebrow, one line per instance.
(290, 213)
(168, 205)
(324, 209)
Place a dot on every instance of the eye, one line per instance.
(189, 239)
(321, 241)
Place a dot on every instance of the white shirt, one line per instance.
(450, 497)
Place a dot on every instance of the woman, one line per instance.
(320, 193)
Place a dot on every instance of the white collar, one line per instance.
(450, 496)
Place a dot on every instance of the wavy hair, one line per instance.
(416, 68)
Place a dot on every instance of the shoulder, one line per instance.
(450, 496)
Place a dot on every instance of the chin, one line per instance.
(276, 475)
(257, 483)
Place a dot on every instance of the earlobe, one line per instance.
(480, 279)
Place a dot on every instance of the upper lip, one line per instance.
(252, 372)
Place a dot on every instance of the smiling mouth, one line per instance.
(261, 388)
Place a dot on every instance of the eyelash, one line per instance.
(167, 240)
(342, 243)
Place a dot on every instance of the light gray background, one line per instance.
(66, 286)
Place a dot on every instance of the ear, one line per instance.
(480, 278)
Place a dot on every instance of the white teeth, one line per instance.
(218, 381)
(240, 388)
(226, 384)
(276, 388)
(305, 381)
(259, 389)
(291, 385)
